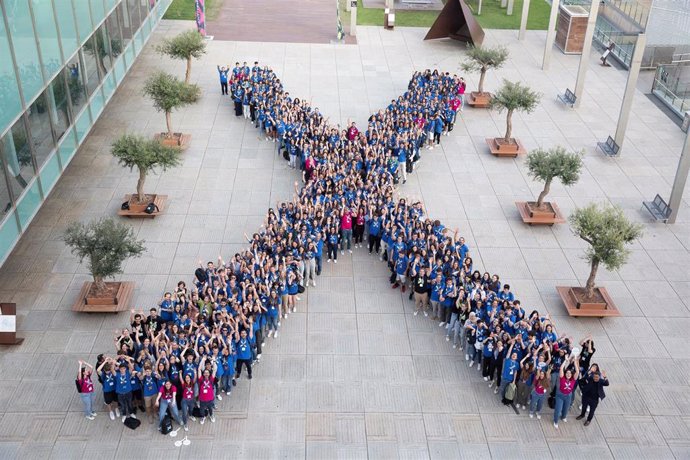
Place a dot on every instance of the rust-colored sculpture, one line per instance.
(457, 22)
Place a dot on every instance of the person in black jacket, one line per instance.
(592, 387)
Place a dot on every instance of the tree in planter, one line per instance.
(555, 163)
(144, 154)
(480, 59)
(106, 244)
(169, 93)
(185, 46)
(607, 231)
(514, 97)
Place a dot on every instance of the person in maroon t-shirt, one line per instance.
(352, 132)
(166, 399)
(206, 395)
(86, 386)
(346, 230)
(359, 227)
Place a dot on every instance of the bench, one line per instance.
(568, 98)
(609, 147)
(658, 208)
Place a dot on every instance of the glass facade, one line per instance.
(62, 61)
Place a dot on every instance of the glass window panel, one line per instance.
(109, 4)
(49, 174)
(67, 148)
(97, 104)
(134, 15)
(25, 50)
(125, 24)
(58, 105)
(77, 93)
(113, 28)
(41, 129)
(28, 204)
(143, 9)
(120, 69)
(83, 125)
(90, 66)
(83, 14)
(97, 11)
(9, 92)
(47, 36)
(130, 54)
(9, 233)
(68, 28)
(98, 46)
(16, 157)
(109, 86)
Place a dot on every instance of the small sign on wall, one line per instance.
(8, 324)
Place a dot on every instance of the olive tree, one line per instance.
(480, 59)
(554, 163)
(106, 244)
(607, 231)
(185, 46)
(169, 93)
(133, 151)
(514, 97)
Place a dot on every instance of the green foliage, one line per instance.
(480, 59)
(105, 243)
(168, 92)
(514, 96)
(607, 231)
(187, 45)
(133, 151)
(557, 162)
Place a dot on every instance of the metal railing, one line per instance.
(670, 89)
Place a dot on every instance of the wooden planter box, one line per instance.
(479, 100)
(500, 148)
(577, 305)
(533, 216)
(177, 139)
(111, 304)
(137, 210)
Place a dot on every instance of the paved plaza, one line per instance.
(354, 373)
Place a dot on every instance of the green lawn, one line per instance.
(492, 17)
(185, 9)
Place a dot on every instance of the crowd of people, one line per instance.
(189, 352)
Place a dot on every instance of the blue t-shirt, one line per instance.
(149, 386)
(510, 367)
(108, 382)
(123, 383)
(244, 348)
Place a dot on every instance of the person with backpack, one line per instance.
(167, 400)
(85, 388)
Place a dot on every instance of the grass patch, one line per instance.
(186, 9)
(492, 17)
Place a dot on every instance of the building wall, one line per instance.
(60, 63)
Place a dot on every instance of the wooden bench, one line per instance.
(658, 208)
(568, 98)
(609, 147)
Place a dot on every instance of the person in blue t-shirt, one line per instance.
(511, 367)
(223, 75)
(106, 373)
(400, 268)
(149, 390)
(244, 354)
(123, 388)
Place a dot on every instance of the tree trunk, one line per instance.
(590, 280)
(168, 122)
(188, 72)
(509, 126)
(140, 185)
(542, 195)
(482, 74)
(99, 284)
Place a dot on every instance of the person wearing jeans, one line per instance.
(542, 381)
(346, 230)
(564, 391)
(123, 388)
(206, 379)
(273, 313)
(166, 399)
(188, 400)
(86, 385)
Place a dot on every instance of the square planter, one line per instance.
(578, 305)
(176, 140)
(479, 100)
(118, 299)
(500, 148)
(136, 209)
(532, 216)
